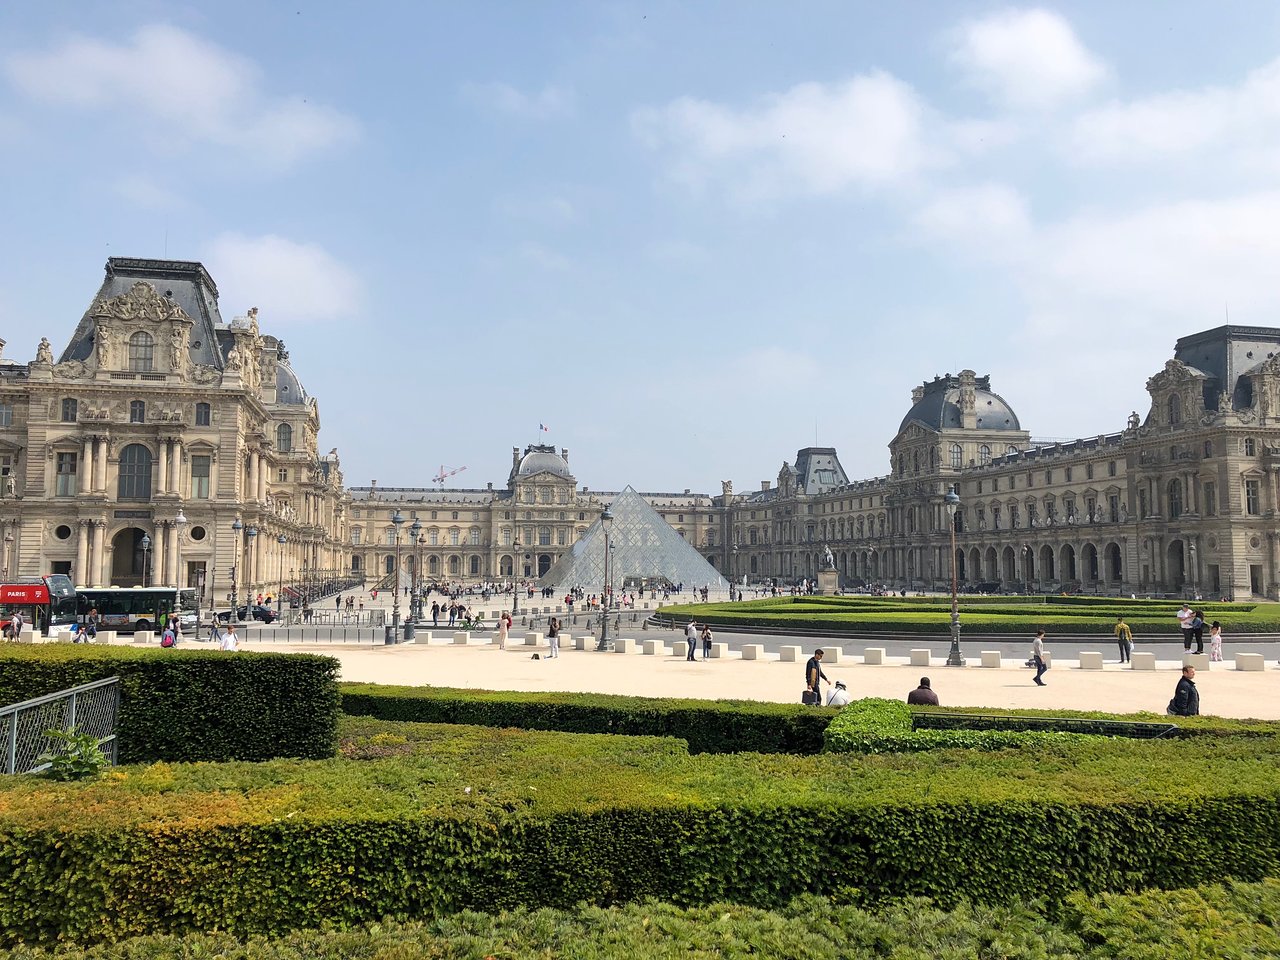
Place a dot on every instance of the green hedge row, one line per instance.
(707, 726)
(1231, 920)
(423, 820)
(188, 705)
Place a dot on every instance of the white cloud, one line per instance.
(988, 220)
(174, 88)
(549, 102)
(1026, 58)
(814, 138)
(1240, 123)
(290, 282)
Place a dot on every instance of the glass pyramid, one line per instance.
(646, 551)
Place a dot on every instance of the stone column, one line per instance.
(100, 466)
(251, 493)
(162, 480)
(82, 555)
(158, 555)
(175, 466)
(172, 565)
(86, 472)
(96, 554)
(263, 468)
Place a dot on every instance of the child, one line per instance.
(1215, 642)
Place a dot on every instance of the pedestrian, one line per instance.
(230, 642)
(1184, 624)
(923, 695)
(1197, 630)
(1124, 639)
(1215, 642)
(337, 604)
(90, 631)
(706, 642)
(1186, 698)
(1037, 656)
(504, 625)
(435, 613)
(553, 638)
(813, 677)
(839, 696)
(168, 638)
(691, 638)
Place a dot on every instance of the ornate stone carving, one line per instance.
(71, 370)
(178, 348)
(233, 359)
(44, 352)
(105, 339)
(141, 302)
(202, 373)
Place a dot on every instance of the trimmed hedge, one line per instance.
(188, 705)
(450, 818)
(707, 726)
(1232, 920)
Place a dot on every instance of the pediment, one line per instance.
(140, 302)
(1175, 374)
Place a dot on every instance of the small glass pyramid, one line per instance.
(646, 552)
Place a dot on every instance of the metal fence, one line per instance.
(91, 708)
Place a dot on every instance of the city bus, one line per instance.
(127, 609)
(44, 602)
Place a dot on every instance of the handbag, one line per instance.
(810, 698)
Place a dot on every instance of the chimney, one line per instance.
(564, 454)
(765, 484)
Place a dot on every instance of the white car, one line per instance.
(188, 622)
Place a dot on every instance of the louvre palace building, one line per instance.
(167, 445)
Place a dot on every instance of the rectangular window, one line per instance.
(563, 537)
(283, 475)
(455, 514)
(6, 414)
(391, 538)
(1048, 477)
(355, 536)
(1111, 468)
(66, 475)
(995, 518)
(506, 536)
(475, 538)
(202, 414)
(453, 536)
(433, 515)
(1088, 471)
(475, 515)
(433, 537)
(1113, 506)
(69, 409)
(1068, 474)
(1013, 518)
(1210, 499)
(137, 411)
(995, 484)
(200, 468)
(1252, 497)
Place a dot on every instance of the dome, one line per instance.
(543, 460)
(939, 407)
(289, 387)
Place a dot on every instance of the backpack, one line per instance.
(167, 640)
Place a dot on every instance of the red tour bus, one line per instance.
(42, 601)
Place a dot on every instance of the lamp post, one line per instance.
(236, 528)
(606, 521)
(281, 541)
(396, 519)
(515, 581)
(954, 659)
(252, 533)
(200, 575)
(179, 522)
(415, 605)
(145, 543)
(422, 581)
(8, 549)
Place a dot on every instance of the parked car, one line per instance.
(188, 622)
(256, 612)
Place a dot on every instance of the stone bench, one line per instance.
(719, 651)
(144, 636)
(1090, 660)
(532, 639)
(1252, 662)
(462, 637)
(789, 654)
(1142, 661)
(991, 659)
(1198, 660)
(873, 655)
(654, 648)
(919, 658)
(624, 645)
(753, 651)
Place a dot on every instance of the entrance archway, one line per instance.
(544, 563)
(127, 557)
(1175, 565)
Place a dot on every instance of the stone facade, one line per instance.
(1181, 501)
(160, 420)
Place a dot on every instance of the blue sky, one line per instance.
(690, 238)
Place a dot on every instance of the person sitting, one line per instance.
(839, 696)
(923, 695)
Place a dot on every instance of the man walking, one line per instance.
(1124, 639)
(1186, 698)
(691, 638)
(1037, 655)
(813, 677)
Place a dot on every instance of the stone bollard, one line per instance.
(919, 658)
(105, 636)
(1142, 661)
(581, 640)
(1198, 660)
(144, 636)
(653, 648)
(753, 651)
(831, 654)
(991, 659)
(873, 655)
(462, 637)
(624, 645)
(719, 651)
(1090, 660)
(532, 639)
(790, 654)
(27, 635)
(1252, 662)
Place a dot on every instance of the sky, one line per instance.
(688, 238)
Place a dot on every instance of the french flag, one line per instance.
(544, 428)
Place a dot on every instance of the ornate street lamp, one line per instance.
(8, 548)
(954, 659)
(415, 604)
(251, 533)
(236, 528)
(396, 519)
(606, 521)
(422, 581)
(515, 581)
(179, 522)
(281, 541)
(145, 543)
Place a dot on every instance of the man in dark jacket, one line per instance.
(923, 695)
(813, 676)
(1186, 698)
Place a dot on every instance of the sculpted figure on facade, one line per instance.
(177, 348)
(44, 352)
(103, 338)
(233, 359)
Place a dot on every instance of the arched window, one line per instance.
(984, 454)
(753, 536)
(135, 473)
(915, 461)
(1175, 408)
(141, 351)
(1175, 499)
(1010, 449)
(957, 456)
(455, 565)
(544, 536)
(284, 438)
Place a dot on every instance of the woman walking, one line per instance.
(553, 637)
(504, 627)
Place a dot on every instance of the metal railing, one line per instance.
(91, 708)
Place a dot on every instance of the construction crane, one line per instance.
(444, 475)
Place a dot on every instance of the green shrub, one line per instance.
(187, 705)
(707, 726)
(481, 818)
(77, 756)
